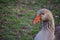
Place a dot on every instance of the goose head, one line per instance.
(43, 15)
(47, 32)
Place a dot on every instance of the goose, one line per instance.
(47, 31)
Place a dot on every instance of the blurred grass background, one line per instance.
(16, 17)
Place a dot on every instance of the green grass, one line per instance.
(17, 21)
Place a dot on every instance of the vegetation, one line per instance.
(16, 17)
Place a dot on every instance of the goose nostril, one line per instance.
(37, 19)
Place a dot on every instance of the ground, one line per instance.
(16, 18)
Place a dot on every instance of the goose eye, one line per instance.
(42, 13)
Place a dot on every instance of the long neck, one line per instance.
(49, 25)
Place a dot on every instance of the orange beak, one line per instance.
(37, 19)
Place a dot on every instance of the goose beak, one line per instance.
(37, 19)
